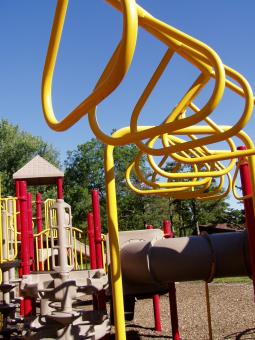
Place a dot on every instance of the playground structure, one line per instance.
(54, 277)
(184, 137)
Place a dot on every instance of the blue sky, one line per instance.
(91, 33)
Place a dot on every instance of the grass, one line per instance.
(239, 279)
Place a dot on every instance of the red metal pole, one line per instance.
(60, 187)
(97, 226)
(101, 298)
(25, 260)
(97, 299)
(156, 310)
(30, 231)
(248, 208)
(91, 238)
(39, 225)
(168, 231)
(167, 228)
(156, 304)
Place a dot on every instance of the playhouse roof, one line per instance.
(38, 171)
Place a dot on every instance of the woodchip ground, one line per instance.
(232, 309)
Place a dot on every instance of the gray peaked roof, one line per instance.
(38, 171)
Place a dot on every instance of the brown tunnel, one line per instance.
(185, 259)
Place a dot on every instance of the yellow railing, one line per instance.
(42, 250)
(77, 255)
(80, 254)
(48, 203)
(8, 229)
(104, 254)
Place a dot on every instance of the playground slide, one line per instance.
(149, 260)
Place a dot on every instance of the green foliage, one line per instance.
(235, 217)
(16, 149)
(231, 280)
(156, 209)
(186, 214)
(85, 171)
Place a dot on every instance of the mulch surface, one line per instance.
(232, 310)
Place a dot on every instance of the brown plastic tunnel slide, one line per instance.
(203, 257)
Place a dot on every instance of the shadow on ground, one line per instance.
(247, 334)
(135, 335)
(140, 333)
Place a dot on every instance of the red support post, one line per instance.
(168, 232)
(156, 310)
(60, 187)
(101, 298)
(248, 208)
(30, 231)
(25, 258)
(22, 307)
(167, 228)
(91, 238)
(39, 225)
(156, 304)
(97, 226)
(98, 299)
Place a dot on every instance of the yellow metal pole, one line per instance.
(116, 279)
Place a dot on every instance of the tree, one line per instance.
(235, 217)
(85, 171)
(206, 212)
(16, 149)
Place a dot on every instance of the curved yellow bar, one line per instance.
(179, 38)
(179, 124)
(237, 197)
(184, 185)
(203, 58)
(182, 193)
(175, 184)
(189, 160)
(111, 77)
